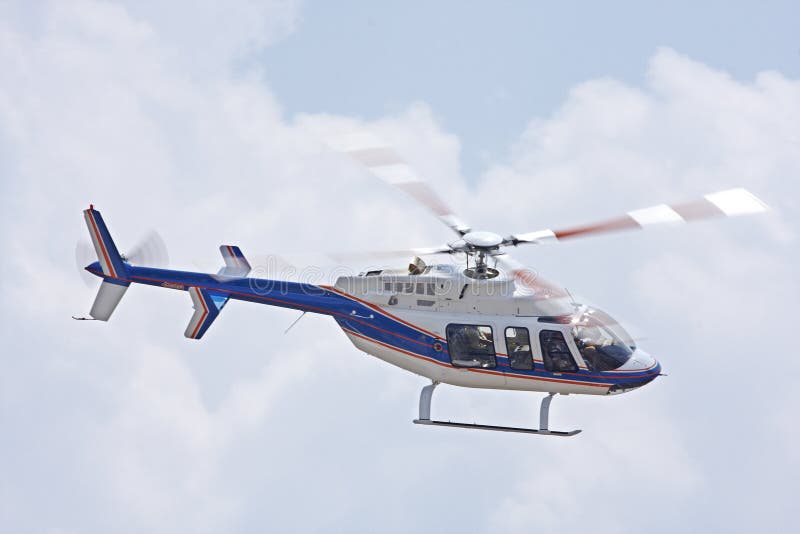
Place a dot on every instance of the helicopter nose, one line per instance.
(656, 370)
(644, 369)
(645, 361)
(640, 361)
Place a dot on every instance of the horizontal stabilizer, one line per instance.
(235, 262)
(236, 266)
(205, 311)
(108, 296)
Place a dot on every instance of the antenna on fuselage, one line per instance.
(294, 323)
(572, 300)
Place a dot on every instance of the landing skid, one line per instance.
(426, 396)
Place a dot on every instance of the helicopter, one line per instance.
(489, 323)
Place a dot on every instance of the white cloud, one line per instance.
(711, 294)
(139, 111)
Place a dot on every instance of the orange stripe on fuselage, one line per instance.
(295, 305)
(382, 311)
(392, 347)
(437, 362)
(102, 245)
(394, 334)
(205, 313)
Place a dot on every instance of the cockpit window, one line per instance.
(555, 352)
(611, 324)
(603, 343)
(518, 344)
(471, 346)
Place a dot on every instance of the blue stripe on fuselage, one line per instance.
(352, 315)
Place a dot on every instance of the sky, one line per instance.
(200, 121)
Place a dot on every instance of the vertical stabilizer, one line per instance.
(205, 311)
(115, 274)
(107, 254)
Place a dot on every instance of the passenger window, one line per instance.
(471, 346)
(430, 289)
(420, 289)
(518, 344)
(555, 352)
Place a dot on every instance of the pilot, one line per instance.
(589, 354)
(589, 336)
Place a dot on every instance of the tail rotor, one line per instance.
(150, 251)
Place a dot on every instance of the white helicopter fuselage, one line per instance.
(442, 297)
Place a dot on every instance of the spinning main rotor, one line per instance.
(480, 246)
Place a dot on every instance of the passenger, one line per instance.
(471, 347)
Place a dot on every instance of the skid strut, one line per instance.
(426, 396)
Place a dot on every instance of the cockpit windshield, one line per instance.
(602, 341)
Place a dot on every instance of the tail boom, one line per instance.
(209, 292)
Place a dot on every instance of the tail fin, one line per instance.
(207, 304)
(205, 311)
(115, 274)
(110, 260)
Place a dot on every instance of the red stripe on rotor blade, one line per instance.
(699, 209)
(531, 280)
(623, 223)
(424, 194)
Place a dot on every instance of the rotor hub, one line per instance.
(482, 239)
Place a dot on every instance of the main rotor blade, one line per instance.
(388, 254)
(563, 303)
(531, 280)
(382, 161)
(729, 203)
